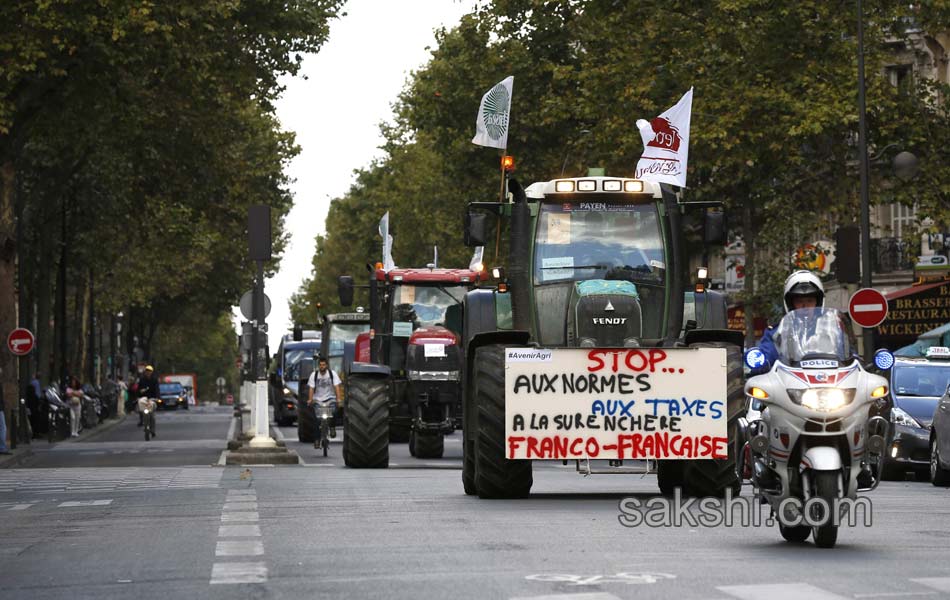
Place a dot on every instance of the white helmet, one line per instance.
(802, 283)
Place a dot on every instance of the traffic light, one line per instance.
(848, 255)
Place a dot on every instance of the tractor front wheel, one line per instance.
(495, 475)
(366, 426)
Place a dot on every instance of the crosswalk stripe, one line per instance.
(243, 572)
(239, 548)
(239, 506)
(239, 531)
(779, 591)
(239, 516)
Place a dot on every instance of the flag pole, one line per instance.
(501, 198)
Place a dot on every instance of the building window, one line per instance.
(901, 77)
(902, 220)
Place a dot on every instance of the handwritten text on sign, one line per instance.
(616, 403)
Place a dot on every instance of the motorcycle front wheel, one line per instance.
(826, 487)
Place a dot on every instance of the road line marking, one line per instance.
(223, 459)
(239, 516)
(73, 503)
(244, 492)
(239, 531)
(779, 591)
(251, 572)
(581, 596)
(941, 584)
(21, 506)
(239, 506)
(242, 548)
(893, 594)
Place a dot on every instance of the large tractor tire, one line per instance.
(468, 441)
(712, 477)
(495, 476)
(366, 426)
(669, 475)
(429, 446)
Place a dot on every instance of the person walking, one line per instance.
(74, 399)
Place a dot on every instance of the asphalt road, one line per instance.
(159, 530)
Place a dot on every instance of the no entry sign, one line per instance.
(20, 341)
(868, 307)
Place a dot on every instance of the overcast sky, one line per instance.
(350, 87)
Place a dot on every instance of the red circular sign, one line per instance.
(868, 307)
(20, 341)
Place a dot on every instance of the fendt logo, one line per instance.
(609, 320)
(665, 135)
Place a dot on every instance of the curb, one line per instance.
(23, 452)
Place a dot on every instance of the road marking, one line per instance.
(584, 596)
(244, 572)
(21, 506)
(73, 503)
(239, 516)
(242, 548)
(223, 458)
(941, 584)
(893, 594)
(239, 531)
(242, 492)
(232, 428)
(240, 506)
(779, 591)
(278, 434)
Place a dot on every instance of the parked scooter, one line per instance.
(58, 414)
(815, 442)
(90, 408)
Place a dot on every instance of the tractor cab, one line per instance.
(413, 352)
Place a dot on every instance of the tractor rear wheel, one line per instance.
(495, 475)
(712, 477)
(367, 422)
(429, 446)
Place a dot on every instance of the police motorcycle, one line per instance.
(814, 443)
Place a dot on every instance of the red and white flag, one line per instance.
(666, 144)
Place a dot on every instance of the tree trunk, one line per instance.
(43, 294)
(8, 299)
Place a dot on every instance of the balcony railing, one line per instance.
(892, 254)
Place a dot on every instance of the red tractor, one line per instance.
(404, 384)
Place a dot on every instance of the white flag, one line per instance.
(476, 262)
(491, 126)
(388, 264)
(666, 144)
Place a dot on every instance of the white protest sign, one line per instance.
(636, 403)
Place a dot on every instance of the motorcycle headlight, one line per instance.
(822, 399)
(900, 417)
(288, 391)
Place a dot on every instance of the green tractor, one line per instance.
(597, 272)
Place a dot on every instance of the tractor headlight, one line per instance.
(822, 399)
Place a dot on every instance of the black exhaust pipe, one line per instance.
(520, 271)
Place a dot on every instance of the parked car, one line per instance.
(917, 385)
(940, 442)
(171, 396)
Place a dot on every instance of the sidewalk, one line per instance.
(24, 451)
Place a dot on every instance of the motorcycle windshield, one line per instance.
(814, 334)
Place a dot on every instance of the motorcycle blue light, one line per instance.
(754, 358)
(883, 359)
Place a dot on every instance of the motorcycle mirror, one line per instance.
(755, 358)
